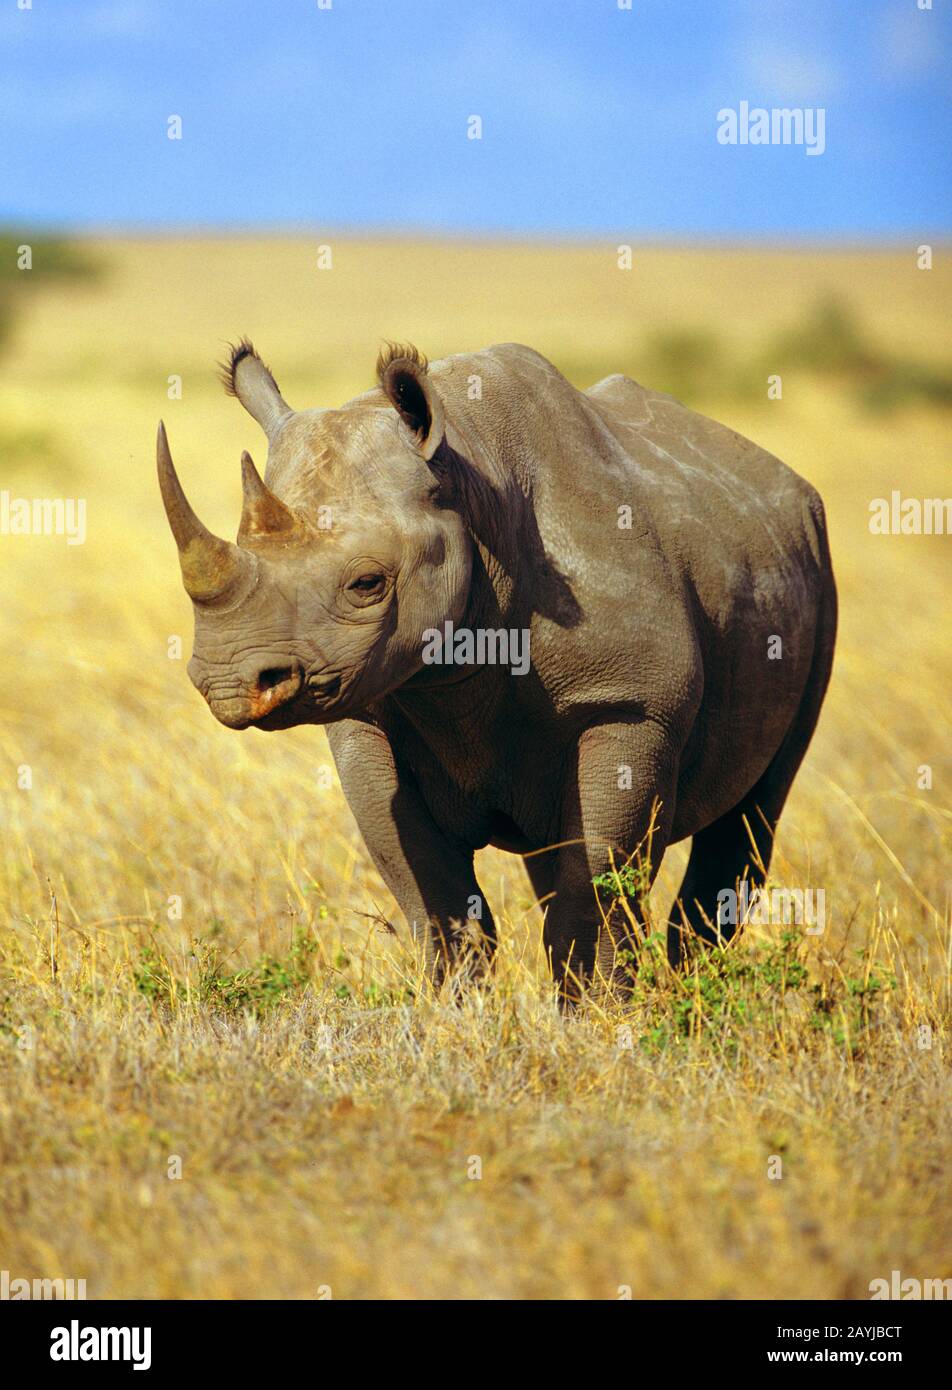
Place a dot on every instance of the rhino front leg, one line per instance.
(618, 799)
(430, 876)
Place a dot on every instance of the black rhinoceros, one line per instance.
(577, 622)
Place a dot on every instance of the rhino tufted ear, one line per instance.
(401, 371)
(244, 375)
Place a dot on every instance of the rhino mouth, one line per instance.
(315, 700)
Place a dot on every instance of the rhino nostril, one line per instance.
(274, 675)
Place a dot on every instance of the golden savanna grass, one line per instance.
(328, 1114)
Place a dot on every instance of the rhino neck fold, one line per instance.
(499, 518)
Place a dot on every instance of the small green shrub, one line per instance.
(257, 988)
(766, 990)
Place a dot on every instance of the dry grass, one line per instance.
(326, 1111)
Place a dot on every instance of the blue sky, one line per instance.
(595, 119)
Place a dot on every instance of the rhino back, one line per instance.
(711, 498)
(624, 481)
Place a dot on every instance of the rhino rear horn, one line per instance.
(209, 564)
(246, 377)
(262, 514)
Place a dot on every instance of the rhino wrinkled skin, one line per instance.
(680, 650)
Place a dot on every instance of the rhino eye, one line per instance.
(368, 585)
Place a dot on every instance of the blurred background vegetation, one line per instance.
(55, 263)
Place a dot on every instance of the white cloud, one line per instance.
(909, 45)
(777, 72)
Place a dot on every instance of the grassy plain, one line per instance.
(325, 1113)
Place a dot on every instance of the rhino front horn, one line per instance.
(262, 514)
(209, 564)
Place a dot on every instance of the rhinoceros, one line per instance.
(576, 625)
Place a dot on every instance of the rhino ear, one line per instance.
(401, 372)
(244, 375)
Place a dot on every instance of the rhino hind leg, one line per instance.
(722, 856)
(739, 845)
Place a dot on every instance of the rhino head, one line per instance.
(342, 560)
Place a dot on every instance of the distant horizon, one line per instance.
(711, 241)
